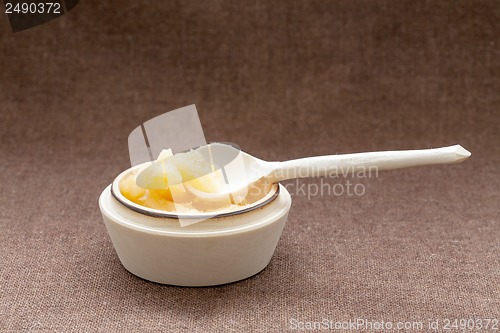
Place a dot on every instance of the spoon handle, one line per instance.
(335, 165)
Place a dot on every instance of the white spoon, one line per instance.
(243, 169)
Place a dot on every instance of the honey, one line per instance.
(170, 184)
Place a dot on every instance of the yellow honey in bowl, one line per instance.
(164, 185)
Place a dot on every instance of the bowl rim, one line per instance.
(110, 209)
(116, 193)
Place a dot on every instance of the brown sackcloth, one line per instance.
(283, 79)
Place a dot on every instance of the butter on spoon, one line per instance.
(190, 167)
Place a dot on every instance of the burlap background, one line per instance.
(283, 79)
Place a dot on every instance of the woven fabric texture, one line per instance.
(282, 79)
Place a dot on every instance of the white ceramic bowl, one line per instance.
(215, 251)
